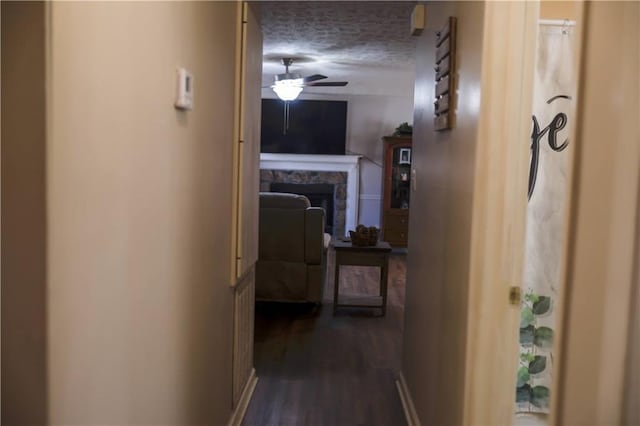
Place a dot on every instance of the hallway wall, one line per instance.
(599, 269)
(139, 213)
(440, 223)
(24, 374)
(554, 9)
(138, 304)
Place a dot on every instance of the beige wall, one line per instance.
(603, 228)
(138, 303)
(23, 214)
(631, 415)
(139, 210)
(440, 224)
(468, 217)
(559, 9)
(594, 337)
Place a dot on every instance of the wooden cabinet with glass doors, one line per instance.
(396, 181)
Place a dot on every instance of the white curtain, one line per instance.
(551, 153)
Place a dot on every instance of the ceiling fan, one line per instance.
(289, 85)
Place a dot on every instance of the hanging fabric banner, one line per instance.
(551, 153)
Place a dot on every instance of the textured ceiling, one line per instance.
(364, 42)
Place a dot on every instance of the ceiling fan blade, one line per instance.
(314, 77)
(329, 84)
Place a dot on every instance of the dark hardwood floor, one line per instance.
(317, 369)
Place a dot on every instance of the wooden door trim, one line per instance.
(599, 269)
(499, 211)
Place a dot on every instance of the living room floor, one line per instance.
(318, 369)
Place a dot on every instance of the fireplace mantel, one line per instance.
(325, 163)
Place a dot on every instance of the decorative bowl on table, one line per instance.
(364, 236)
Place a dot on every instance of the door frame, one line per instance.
(499, 211)
(599, 272)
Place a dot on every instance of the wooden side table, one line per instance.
(347, 254)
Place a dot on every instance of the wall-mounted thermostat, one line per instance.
(184, 89)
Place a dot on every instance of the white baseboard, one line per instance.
(238, 414)
(407, 402)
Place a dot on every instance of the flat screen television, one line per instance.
(315, 127)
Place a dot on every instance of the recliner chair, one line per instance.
(292, 249)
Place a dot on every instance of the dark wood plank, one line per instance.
(319, 369)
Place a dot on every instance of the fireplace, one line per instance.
(340, 171)
(323, 189)
(319, 194)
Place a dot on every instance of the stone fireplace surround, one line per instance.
(343, 171)
(325, 195)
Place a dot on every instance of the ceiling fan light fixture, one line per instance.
(287, 93)
(288, 90)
